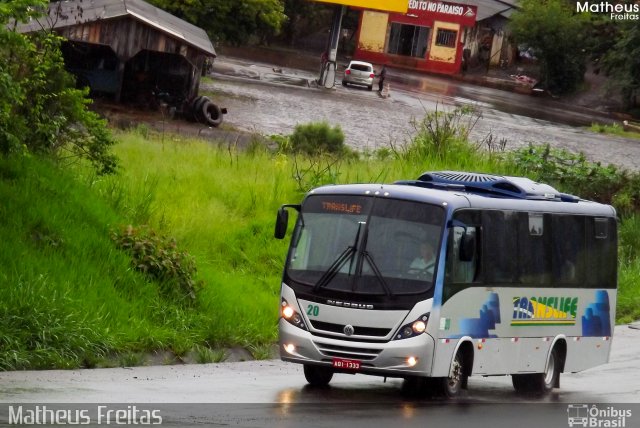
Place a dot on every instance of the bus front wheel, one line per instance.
(317, 375)
(451, 386)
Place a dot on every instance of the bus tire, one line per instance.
(318, 375)
(543, 383)
(451, 386)
(540, 383)
(415, 387)
(521, 382)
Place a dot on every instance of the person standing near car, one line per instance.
(382, 76)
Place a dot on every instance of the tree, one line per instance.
(40, 109)
(303, 17)
(622, 62)
(558, 36)
(233, 21)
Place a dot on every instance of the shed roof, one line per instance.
(73, 12)
(489, 8)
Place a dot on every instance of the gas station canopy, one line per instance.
(399, 6)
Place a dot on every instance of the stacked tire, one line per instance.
(202, 110)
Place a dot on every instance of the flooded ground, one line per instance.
(270, 100)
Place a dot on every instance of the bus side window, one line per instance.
(568, 249)
(500, 246)
(459, 271)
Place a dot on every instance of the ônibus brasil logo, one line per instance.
(616, 11)
(593, 416)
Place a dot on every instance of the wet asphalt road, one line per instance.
(264, 393)
(270, 100)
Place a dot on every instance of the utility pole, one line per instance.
(329, 66)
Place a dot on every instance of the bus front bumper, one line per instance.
(396, 358)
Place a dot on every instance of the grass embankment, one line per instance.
(67, 296)
(221, 206)
(614, 129)
(70, 298)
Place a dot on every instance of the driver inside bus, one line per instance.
(425, 262)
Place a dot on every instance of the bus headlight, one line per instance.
(287, 312)
(419, 326)
(291, 315)
(413, 329)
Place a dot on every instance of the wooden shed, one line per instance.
(129, 49)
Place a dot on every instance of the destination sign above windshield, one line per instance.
(341, 207)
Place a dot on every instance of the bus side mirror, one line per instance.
(467, 247)
(282, 221)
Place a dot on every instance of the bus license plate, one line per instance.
(341, 363)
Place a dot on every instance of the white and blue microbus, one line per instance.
(451, 275)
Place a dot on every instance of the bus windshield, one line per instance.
(365, 245)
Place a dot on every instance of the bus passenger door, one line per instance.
(469, 308)
(458, 314)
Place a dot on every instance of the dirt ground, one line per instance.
(159, 122)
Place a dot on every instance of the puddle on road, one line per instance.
(289, 80)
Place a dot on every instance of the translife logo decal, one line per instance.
(597, 416)
(538, 311)
(616, 11)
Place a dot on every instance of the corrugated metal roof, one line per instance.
(507, 13)
(73, 12)
(489, 8)
(514, 3)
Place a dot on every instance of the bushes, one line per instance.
(573, 173)
(324, 148)
(40, 109)
(443, 134)
(158, 257)
(317, 138)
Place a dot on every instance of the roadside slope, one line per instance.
(68, 297)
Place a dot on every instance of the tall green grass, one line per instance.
(628, 307)
(220, 205)
(68, 298)
(614, 129)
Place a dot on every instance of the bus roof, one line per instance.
(471, 190)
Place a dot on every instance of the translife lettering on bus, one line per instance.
(528, 311)
(341, 207)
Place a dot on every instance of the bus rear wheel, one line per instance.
(318, 375)
(540, 383)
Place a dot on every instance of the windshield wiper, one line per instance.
(335, 267)
(364, 254)
(375, 269)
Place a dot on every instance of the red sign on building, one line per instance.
(429, 37)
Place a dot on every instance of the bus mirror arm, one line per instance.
(282, 220)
